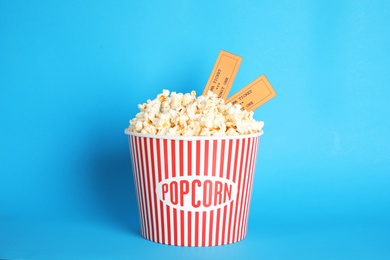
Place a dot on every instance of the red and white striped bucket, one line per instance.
(193, 191)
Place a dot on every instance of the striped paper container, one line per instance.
(193, 191)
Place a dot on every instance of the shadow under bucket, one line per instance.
(193, 191)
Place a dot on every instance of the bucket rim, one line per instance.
(192, 138)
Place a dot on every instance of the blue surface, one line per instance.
(73, 72)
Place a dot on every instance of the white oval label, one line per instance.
(196, 193)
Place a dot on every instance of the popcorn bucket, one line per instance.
(193, 191)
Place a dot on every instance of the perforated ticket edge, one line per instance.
(232, 72)
(251, 101)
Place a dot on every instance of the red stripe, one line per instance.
(211, 228)
(197, 167)
(239, 190)
(230, 161)
(225, 211)
(173, 164)
(245, 192)
(224, 217)
(182, 220)
(238, 145)
(245, 181)
(136, 180)
(142, 187)
(175, 231)
(173, 153)
(206, 173)
(168, 224)
(197, 158)
(196, 228)
(189, 147)
(149, 204)
(218, 226)
(156, 212)
(150, 188)
(166, 158)
(213, 173)
(204, 228)
(231, 223)
(214, 162)
(181, 173)
(222, 161)
(159, 170)
(239, 171)
(251, 184)
(189, 215)
(182, 227)
(167, 211)
(158, 145)
(162, 222)
(249, 192)
(221, 171)
(181, 155)
(206, 158)
(133, 163)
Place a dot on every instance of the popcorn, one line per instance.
(181, 114)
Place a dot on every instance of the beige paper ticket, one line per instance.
(223, 74)
(253, 95)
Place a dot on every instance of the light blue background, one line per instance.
(73, 72)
